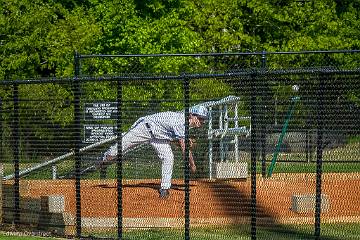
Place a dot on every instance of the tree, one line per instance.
(38, 39)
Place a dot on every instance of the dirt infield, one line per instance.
(209, 199)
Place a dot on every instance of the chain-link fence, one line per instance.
(276, 156)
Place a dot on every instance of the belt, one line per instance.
(149, 129)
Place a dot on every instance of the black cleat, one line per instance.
(164, 193)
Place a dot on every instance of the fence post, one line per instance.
(77, 140)
(186, 159)
(253, 110)
(264, 101)
(1, 164)
(320, 127)
(119, 160)
(16, 126)
(1, 192)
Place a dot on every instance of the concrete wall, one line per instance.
(45, 213)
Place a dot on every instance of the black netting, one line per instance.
(276, 158)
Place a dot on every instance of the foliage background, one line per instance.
(38, 39)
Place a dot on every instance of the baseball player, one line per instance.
(159, 130)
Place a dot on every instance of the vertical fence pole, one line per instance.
(16, 132)
(77, 141)
(253, 111)
(119, 160)
(320, 126)
(1, 164)
(1, 131)
(264, 98)
(186, 159)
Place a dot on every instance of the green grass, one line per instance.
(152, 170)
(350, 231)
(146, 165)
(13, 237)
(281, 232)
(327, 167)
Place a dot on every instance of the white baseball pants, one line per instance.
(140, 134)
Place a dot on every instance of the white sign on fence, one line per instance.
(97, 132)
(100, 111)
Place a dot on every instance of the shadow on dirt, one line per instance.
(237, 204)
(155, 186)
